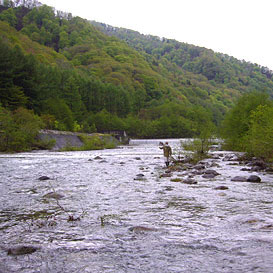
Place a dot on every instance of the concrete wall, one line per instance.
(62, 139)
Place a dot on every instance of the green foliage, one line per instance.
(19, 129)
(9, 16)
(61, 112)
(237, 122)
(79, 79)
(198, 148)
(259, 138)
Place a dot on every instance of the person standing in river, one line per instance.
(167, 151)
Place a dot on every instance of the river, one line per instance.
(127, 218)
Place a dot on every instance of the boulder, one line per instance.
(53, 195)
(269, 169)
(197, 172)
(42, 178)
(208, 175)
(212, 172)
(221, 188)
(254, 179)
(260, 163)
(245, 169)
(98, 157)
(256, 169)
(189, 181)
(166, 175)
(103, 161)
(230, 157)
(141, 229)
(199, 167)
(239, 179)
(22, 250)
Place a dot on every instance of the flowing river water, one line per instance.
(125, 217)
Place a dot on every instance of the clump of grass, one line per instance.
(176, 180)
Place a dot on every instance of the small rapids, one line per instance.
(114, 212)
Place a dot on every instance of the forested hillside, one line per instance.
(81, 77)
(221, 71)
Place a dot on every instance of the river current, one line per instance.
(119, 215)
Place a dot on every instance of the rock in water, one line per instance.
(189, 181)
(44, 178)
(53, 195)
(21, 250)
(221, 188)
(254, 179)
(141, 229)
(208, 175)
(213, 172)
(239, 179)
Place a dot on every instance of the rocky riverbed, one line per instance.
(121, 210)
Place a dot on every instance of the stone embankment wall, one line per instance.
(64, 139)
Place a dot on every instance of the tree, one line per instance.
(11, 92)
(9, 16)
(237, 122)
(63, 115)
(18, 129)
(259, 138)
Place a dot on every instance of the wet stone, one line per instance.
(43, 178)
(269, 169)
(166, 175)
(199, 167)
(140, 177)
(256, 169)
(103, 161)
(208, 175)
(189, 181)
(221, 188)
(98, 157)
(213, 172)
(197, 172)
(22, 250)
(254, 179)
(230, 157)
(245, 169)
(141, 229)
(239, 179)
(53, 195)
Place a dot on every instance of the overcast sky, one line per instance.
(240, 28)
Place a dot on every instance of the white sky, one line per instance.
(240, 28)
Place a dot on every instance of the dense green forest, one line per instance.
(86, 76)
